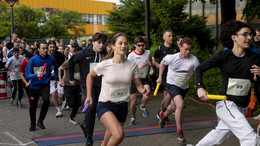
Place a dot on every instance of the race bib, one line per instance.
(119, 94)
(77, 76)
(36, 70)
(143, 72)
(182, 81)
(238, 87)
(92, 66)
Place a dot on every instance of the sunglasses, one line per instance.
(140, 45)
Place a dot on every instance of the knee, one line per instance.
(180, 105)
(119, 136)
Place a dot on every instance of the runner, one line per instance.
(180, 70)
(87, 59)
(142, 58)
(71, 92)
(237, 66)
(40, 87)
(117, 74)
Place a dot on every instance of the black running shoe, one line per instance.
(162, 120)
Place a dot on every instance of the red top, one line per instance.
(23, 66)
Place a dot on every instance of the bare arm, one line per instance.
(24, 80)
(89, 83)
(155, 63)
(60, 78)
(140, 87)
(161, 69)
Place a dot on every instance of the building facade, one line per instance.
(93, 12)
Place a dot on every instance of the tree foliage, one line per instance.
(69, 19)
(228, 9)
(26, 21)
(32, 22)
(252, 9)
(165, 14)
(129, 17)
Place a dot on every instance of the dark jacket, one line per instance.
(84, 58)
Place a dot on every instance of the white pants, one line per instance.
(231, 120)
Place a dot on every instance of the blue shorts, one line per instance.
(120, 109)
(174, 90)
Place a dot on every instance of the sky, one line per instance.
(116, 1)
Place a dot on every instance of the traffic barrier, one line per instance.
(2, 88)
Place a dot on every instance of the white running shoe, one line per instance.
(59, 114)
(72, 121)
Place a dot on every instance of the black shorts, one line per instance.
(120, 109)
(133, 88)
(174, 90)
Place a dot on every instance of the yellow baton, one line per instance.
(217, 97)
(156, 89)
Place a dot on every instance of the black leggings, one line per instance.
(17, 84)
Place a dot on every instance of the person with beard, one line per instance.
(87, 60)
(40, 83)
(56, 90)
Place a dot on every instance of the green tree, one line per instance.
(32, 22)
(129, 17)
(165, 14)
(69, 19)
(228, 9)
(27, 20)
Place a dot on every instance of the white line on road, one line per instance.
(14, 138)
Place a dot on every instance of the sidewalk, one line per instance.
(14, 125)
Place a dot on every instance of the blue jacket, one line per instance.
(35, 65)
(252, 48)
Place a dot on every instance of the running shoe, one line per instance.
(180, 137)
(19, 104)
(72, 121)
(189, 145)
(145, 111)
(158, 117)
(11, 101)
(162, 120)
(59, 114)
(132, 121)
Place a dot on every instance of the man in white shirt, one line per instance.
(180, 69)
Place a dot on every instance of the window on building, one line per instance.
(99, 19)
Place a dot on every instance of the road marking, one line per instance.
(17, 140)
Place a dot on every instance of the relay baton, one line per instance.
(217, 97)
(43, 69)
(156, 89)
(85, 108)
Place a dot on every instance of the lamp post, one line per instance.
(11, 3)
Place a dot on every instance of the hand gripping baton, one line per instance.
(156, 89)
(217, 97)
(43, 69)
(85, 108)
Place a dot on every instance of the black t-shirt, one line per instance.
(162, 51)
(231, 68)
